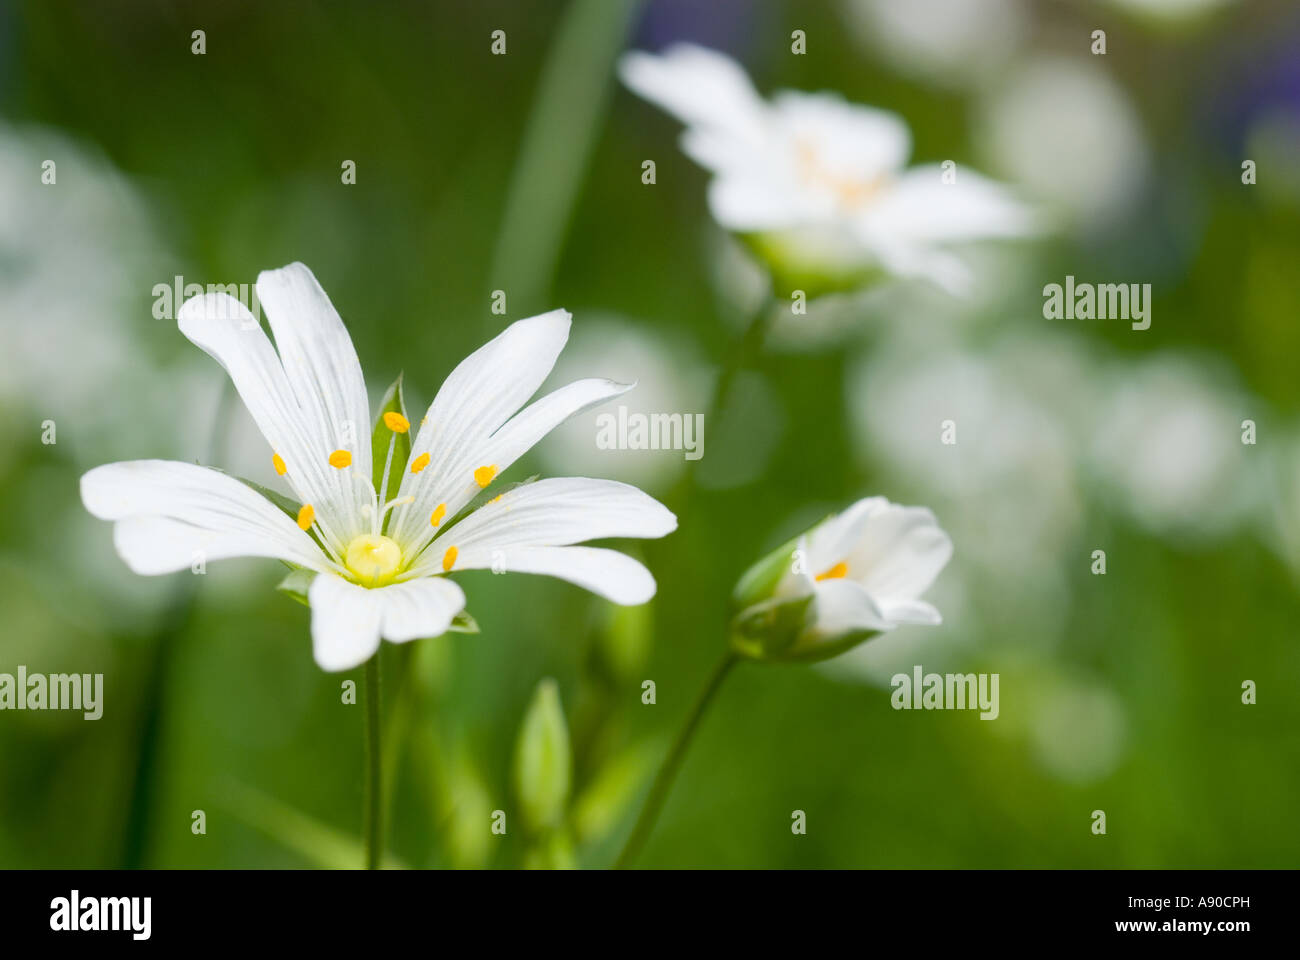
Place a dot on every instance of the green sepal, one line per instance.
(289, 506)
(382, 436)
(759, 582)
(296, 584)
(815, 650)
(463, 623)
(768, 630)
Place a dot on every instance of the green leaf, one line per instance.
(543, 760)
(382, 437)
(296, 584)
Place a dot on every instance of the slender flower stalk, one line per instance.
(663, 782)
(373, 816)
(854, 576)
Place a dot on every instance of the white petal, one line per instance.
(701, 87)
(322, 369)
(345, 622)
(834, 539)
(753, 201)
(555, 512)
(481, 394)
(170, 514)
(900, 555)
(841, 606)
(905, 258)
(454, 484)
(911, 611)
(921, 208)
(419, 608)
(225, 330)
(847, 140)
(607, 573)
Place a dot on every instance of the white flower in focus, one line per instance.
(819, 185)
(380, 566)
(857, 574)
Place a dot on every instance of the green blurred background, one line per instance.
(522, 173)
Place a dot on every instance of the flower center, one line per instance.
(851, 192)
(373, 559)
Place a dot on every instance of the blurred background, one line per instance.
(477, 172)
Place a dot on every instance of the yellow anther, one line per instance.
(438, 515)
(395, 422)
(837, 572)
(277, 461)
(449, 558)
(419, 463)
(306, 516)
(340, 459)
(496, 498)
(483, 475)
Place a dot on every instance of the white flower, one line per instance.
(379, 575)
(817, 183)
(855, 575)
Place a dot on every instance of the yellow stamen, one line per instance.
(419, 463)
(438, 515)
(340, 459)
(306, 516)
(277, 461)
(449, 558)
(837, 572)
(496, 498)
(483, 475)
(395, 422)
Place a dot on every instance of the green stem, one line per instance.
(668, 772)
(746, 350)
(373, 812)
(742, 354)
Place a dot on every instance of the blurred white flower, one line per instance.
(1090, 160)
(818, 185)
(1168, 440)
(1015, 415)
(1171, 11)
(375, 575)
(953, 42)
(853, 576)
